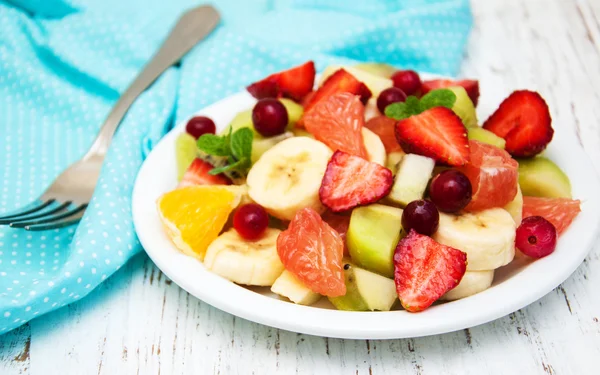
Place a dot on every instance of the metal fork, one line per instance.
(65, 201)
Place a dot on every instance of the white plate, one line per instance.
(515, 286)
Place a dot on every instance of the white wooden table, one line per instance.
(139, 322)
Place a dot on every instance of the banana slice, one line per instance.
(472, 282)
(488, 237)
(245, 262)
(375, 149)
(288, 176)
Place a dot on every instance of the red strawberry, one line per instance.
(471, 86)
(350, 181)
(424, 270)
(293, 83)
(437, 133)
(523, 120)
(197, 174)
(340, 81)
(296, 83)
(266, 88)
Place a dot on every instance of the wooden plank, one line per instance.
(15, 351)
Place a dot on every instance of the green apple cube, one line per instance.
(540, 177)
(486, 136)
(410, 182)
(241, 120)
(372, 236)
(463, 107)
(185, 153)
(365, 291)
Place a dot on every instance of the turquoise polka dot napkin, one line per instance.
(64, 63)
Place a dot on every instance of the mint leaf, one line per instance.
(438, 98)
(412, 105)
(227, 139)
(241, 143)
(397, 111)
(400, 111)
(240, 164)
(213, 145)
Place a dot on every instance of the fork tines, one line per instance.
(44, 215)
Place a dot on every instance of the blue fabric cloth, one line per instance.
(63, 63)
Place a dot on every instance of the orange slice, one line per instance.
(194, 216)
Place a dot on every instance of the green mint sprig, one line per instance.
(413, 106)
(235, 146)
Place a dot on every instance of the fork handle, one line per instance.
(192, 27)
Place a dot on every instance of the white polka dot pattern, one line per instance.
(62, 70)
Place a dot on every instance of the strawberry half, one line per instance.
(523, 120)
(340, 81)
(351, 181)
(424, 270)
(471, 86)
(197, 174)
(293, 83)
(437, 133)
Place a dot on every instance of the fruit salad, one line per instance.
(372, 188)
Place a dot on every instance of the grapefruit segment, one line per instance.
(383, 126)
(338, 121)
(493, 174)
(312, 251)
(559, 211)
